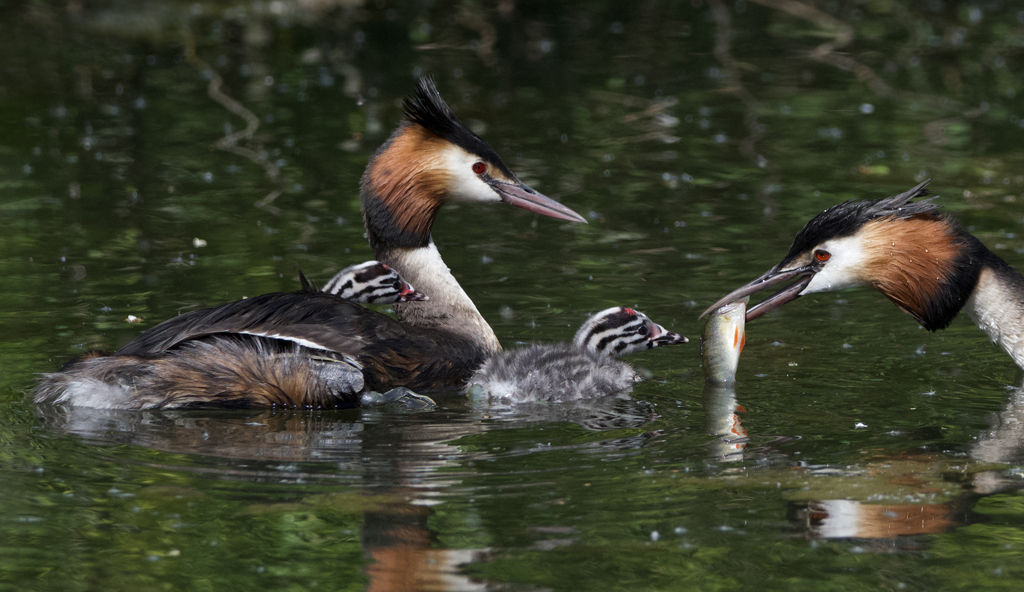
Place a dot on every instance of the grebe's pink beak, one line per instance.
(520, 195)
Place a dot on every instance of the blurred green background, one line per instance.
(159, 157)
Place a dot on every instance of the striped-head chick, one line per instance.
(620, 331)
(433, 158)
(372, 282)
(923, 261)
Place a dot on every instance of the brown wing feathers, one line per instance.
(224, 371)
(227, 356)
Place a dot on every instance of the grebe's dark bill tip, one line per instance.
(771, 278)
(776, 300)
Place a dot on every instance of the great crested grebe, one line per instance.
(313, 349)
(585, 369)
(925, 262)
(370, 282)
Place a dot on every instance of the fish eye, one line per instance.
(479, 168)
(822, 256)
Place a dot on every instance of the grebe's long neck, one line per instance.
(449, 307)
(997, 306)
(402, 190)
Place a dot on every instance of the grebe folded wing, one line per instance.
(313, 319)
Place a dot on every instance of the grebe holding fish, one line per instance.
(925, 262)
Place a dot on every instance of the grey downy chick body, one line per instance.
(587, 368)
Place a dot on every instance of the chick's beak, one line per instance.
(520, 195)
(410, 294)
(772, 277)
(661, 336)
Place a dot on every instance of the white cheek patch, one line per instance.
(465, 185)
(843, 269)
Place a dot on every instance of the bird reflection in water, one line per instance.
(394, 468)
(398, 538)
(842, 518)
(1000, 446)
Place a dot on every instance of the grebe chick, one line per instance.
(584, 369)
(371, 282)
(923, 261)
(313, 349)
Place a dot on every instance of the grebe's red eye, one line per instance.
(479, 168)
(822, 255)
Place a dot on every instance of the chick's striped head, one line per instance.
(372, 282)
(620, 331)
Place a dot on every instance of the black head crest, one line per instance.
(428, 109)
(846, 218)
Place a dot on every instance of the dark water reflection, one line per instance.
(342, 437)
(402, 466)
(697, 137)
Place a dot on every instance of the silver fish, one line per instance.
(723, 340)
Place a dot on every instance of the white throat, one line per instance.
(448, 307)
(996, 306)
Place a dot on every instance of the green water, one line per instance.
(697, 139)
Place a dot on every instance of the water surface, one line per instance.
(696, 137)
